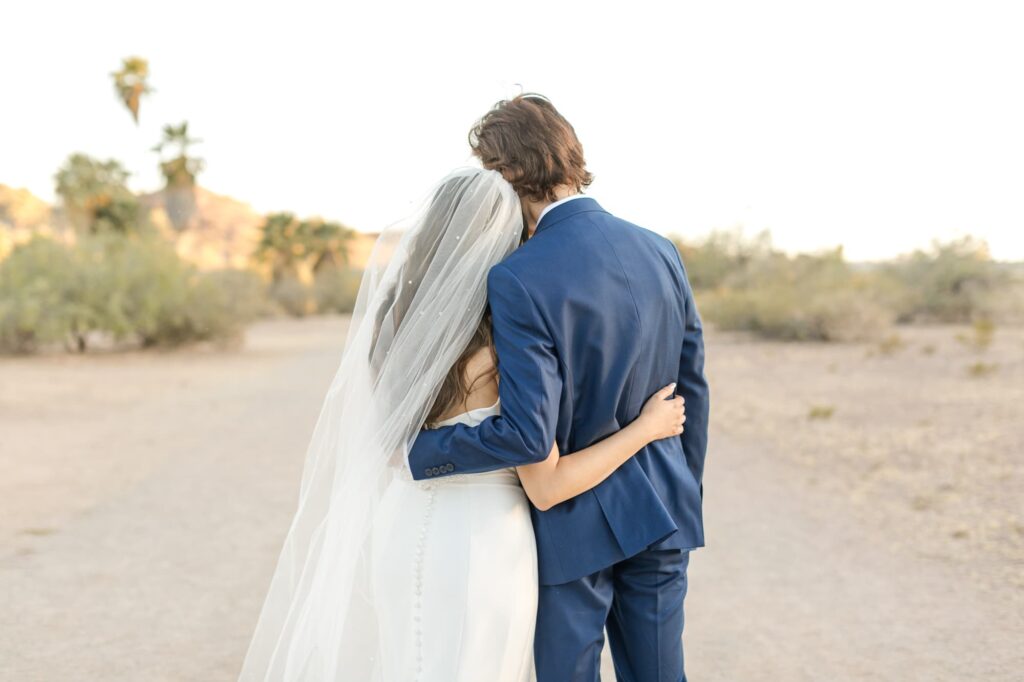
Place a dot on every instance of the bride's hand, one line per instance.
(661, 417)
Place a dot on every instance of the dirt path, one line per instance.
(793, 586)
(143, 499)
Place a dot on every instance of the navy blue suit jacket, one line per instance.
(591, 316)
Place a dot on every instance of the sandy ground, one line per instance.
(143, 498)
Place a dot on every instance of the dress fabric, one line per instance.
(455, 577)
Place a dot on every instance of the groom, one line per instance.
(591, 316)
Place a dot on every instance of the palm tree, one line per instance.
(180, 171)
(298, 249)
(328, 244)
(277, 246)
(130, 83)
(95, 197)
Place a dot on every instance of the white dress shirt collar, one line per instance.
(557, 203)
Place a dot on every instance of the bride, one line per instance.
(387, 579)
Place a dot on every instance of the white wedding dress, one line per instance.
(454, 567)
(438, 581)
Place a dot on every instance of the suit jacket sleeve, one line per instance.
(530, 389)
(693, 386)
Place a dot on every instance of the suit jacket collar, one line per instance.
(567, 210)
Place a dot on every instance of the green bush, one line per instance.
(953, 282)
(713, 261)
(786, 313)
(809, 297)
(291, 296)
(121, 289)
(748, 285)
(140, 288)
(335, 289)
(243, 290)
(37, 306)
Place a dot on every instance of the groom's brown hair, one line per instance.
(532, 145)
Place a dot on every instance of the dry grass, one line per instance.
(980, 336)
(821, 412)
(982, 369)
(926, 452)
(148, 492)
(891, 344)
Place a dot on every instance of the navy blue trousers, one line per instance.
(639, 600)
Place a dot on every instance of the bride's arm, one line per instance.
(558, 479)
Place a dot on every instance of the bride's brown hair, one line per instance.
(456, 387)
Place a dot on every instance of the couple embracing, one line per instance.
(501, 473)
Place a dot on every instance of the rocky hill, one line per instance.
(222, 233)
(23, 214)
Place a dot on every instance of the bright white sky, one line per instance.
(876, 125)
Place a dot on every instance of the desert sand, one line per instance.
(863, 507)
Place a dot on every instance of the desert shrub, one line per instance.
(982, 333)
(981, 369)
(206, 311)
(821, 411)
(291, 296)
(711, 262)
(244, 289)
(335, 289)
(37, 306)
(122, 289)
(139, 288)
(809, 297)
(891, 344)
(1004, 304)
(157, 298)
(748, 285)
(219, 304)
(787, 313)
(848, 315)
(953, 282)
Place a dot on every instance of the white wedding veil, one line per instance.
(421, 299)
